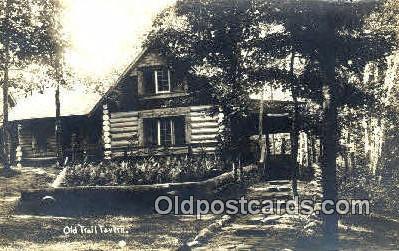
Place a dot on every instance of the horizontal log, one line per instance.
(125, 124)
(204, 141)
(203, 136)
(131, 130)
(25, 142)
(204, 119)
(124, 114)
(203, 114)
(204, 125)
(205, 130)
(25, 134)
(127, 136)
(124, 129)
(200, 108)
(25, 145)
(22, 136)
(204, 149)
(119, 143)
(121, 120)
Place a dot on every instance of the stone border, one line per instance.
(119, 199)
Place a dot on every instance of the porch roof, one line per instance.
(272, 107)
(42, 105)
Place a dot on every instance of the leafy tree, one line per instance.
(234, 44)
(29, 33)
(213, 42)
(332, 38)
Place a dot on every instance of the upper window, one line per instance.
(162, 81)
(157, 80)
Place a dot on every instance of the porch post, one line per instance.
(18, 151)
(106, 133)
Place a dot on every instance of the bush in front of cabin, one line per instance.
(145, 170)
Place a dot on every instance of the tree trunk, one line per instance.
(329, 177)
(58, 133)
(260, 128)
(6, 160)
(294, 130)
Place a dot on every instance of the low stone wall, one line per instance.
(94, 200)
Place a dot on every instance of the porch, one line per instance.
(33, 142)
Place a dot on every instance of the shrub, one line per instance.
(361, 183)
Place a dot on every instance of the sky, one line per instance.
(105, 35)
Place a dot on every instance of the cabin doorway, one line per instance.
(279, 161)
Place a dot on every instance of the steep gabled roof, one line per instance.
(120, 78)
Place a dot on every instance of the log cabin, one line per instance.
(156, 109)
(153, 108)
(32, 126)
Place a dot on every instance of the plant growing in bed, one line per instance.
(145, 170)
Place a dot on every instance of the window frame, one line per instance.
(157, 91)
(172, 132)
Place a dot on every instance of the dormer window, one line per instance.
(162, 81)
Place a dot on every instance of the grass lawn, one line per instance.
(28, 232)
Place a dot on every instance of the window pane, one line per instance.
(163, 80)
(166, 132)
(280, 143)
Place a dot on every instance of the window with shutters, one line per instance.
(166, 131)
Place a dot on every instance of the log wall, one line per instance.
(25, 144)
(123, 132)
(202, 130)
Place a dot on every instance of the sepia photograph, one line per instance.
(199, 125)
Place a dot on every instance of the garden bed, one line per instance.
(133, 199)
(145, 170)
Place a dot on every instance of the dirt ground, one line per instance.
(154, 232)
(256, 232)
